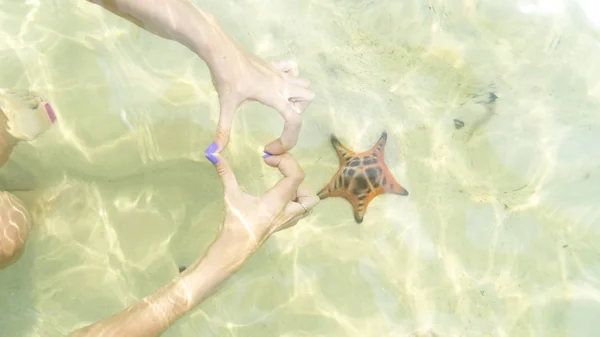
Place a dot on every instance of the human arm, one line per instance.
(249, 222)
(180, 21)
(15, 224)
(153, 315)
(237, 75)
(24, 115)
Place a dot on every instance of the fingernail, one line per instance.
(212, 158)
(211, 149)
(267, 154)
(50, 113)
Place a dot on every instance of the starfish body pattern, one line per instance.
(361, 177)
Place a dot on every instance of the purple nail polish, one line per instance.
(50, 113)
(212, 148)
(212, 158)
(267, 154)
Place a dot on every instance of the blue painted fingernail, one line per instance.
(212, 148)
(211, 157)
(267, 154)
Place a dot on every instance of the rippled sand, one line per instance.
(498, 236)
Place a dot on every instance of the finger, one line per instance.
(295, 211)
(300, 98)
(227, 111)
(307, 198)
(285, 189)
(301, 82)
(225, 172)
(288, 67)
(289, 135)
(301, 105)
(287, 225)
(296, 92)
(304, 191)
(309, 202)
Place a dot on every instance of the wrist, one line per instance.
(242, 242)
(223, 61)
(225, 256)
(205, 37)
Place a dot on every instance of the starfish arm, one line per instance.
(380, 145)
(343, 152)
(331, 189)
(390, 184)
(360, 203)
(325, 192)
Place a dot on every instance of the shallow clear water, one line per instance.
(498, 236)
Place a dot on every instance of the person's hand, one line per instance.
(278, 86)
(28, 114)
(253, 219)
(24, 115)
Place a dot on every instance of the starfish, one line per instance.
(361, 177)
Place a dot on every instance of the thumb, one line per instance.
(227, 105)
(225, 171)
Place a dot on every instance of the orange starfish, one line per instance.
(361, 177)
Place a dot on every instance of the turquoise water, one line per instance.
(498, 236)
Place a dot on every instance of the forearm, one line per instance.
(224, 257)
(149, 317)
(181, 21)
(153, 315)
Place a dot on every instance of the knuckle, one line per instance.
(222, 133)
(295, 119)
(315, 200)
(283, 159)
(292, 117)
(299, 175)
(221, 170)
(289, 144)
